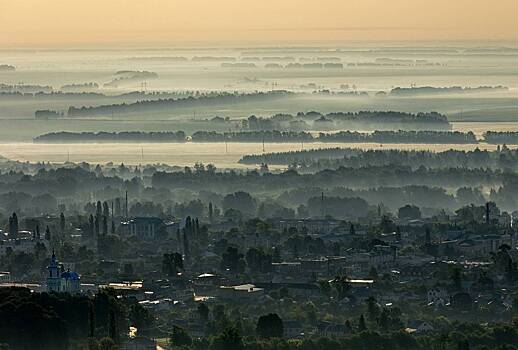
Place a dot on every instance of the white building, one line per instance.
(22, 244)
(145, 228)
(5, 277)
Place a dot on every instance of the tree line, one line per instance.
(430, 90)
(63, 321)
(332, 158)
(167, 104)
(438, 137)
(501, 137)
(123, 136)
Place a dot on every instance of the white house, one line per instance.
(418, 326)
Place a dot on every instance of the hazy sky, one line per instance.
(170, 22)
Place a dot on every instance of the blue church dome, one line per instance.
(70, 275)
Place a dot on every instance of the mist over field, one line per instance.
(258, 175)
(44, 91)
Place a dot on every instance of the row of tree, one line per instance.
(333, 158)
(437, 137)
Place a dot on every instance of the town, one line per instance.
(207, 272)
(258, 175)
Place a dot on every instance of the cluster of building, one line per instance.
(365, 262)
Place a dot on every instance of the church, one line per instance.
(62, 281)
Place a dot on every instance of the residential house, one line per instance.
(329, 329)
(145, 228)
(293, 329)
(139, 343)
(241, 293)
(418, 327)
(321, 226)
(438, 297)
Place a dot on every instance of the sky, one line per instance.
(179, 22)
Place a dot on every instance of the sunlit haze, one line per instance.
(166, 22)
(258, 174)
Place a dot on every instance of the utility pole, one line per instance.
(322, 211)
(126, 209)
(487, 213)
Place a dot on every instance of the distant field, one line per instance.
(498, 114)
(219, 154)
(27, 129)
(473, 112)
(478, 128)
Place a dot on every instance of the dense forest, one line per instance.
(333, 158)
(501, 137)
(47, 114)
(167, 104)
(365, 177)
(63, 321)
(319, 121)
(436, 137)
(429, 90)
(429, 137)
(252, 136)
(379, 116)
(126, 77)
(24, 88)
(153, 189)
(33, 93)
(7, 68)
(79, 87)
